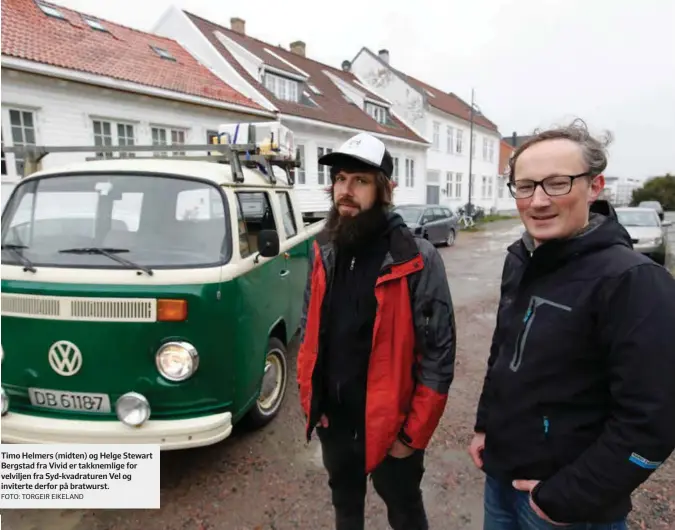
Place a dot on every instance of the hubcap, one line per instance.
(272, 383)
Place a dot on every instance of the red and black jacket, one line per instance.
(412, 359)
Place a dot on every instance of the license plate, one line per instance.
(78, 401)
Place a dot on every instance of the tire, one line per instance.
(451, 238)
(272, 386)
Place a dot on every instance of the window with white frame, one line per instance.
(484, 187)
(409, 173)
(485, 148)
(22, 123)
(459, 143)
(167, 136)
(283, 88)
(113, 133)
(501, 185)
(449, 187)
(437, 135)
(395, 173)
(378, 113)
(491, 151)
(458, 185)
(4, 162)
(490, 185)
(300, 176)
(323, 172)
(451, 139)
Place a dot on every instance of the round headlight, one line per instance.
(4, 401)
(132, 409)
(177, 361)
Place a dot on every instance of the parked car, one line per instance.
(433, 222)
(647, 231)
(655, 205)
(165, 316)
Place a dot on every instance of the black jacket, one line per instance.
(580, 387)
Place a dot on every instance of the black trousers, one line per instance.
(396, 481)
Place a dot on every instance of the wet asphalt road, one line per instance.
(272, 480)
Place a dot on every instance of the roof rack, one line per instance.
(236, 155)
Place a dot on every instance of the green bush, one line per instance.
(660, 189)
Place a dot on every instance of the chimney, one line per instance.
(238, 25)
(346, 66)
(298, 48)
(384, 55)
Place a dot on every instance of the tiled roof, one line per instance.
(332, 106)
(118, 52)
(450, 103)
(505, 152)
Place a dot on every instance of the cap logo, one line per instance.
(355, 142)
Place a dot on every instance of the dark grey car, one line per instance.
(436, 223)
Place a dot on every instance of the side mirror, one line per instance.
(666, 224)
(268, 244)
(424, 220)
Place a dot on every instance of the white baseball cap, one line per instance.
(364, 148)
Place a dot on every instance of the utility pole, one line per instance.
(469, 207)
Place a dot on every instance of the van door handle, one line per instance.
(284, 273)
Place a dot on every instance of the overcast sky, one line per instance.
(532, 63)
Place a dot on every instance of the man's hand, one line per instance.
(528, 486)
(476, 449)
(400, 450)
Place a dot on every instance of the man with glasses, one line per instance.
(578, 401)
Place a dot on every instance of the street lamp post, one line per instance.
(469, 208)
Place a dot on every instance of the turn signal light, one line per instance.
(171, 310)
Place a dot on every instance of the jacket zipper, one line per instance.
(522, 336)
(547, 426)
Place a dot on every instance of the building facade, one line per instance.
(147, 91)
(321, 104)
(459, 151)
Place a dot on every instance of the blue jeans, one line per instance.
(506, 508)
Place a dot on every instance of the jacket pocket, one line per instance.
(528, 321)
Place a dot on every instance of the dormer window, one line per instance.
(50, 11)
(283, 88)
(378, 113)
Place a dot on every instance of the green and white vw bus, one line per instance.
(149, 300)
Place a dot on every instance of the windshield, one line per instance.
(150, 220)
(410, 215)
(637, 218)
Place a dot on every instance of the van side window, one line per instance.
(244, 249)
(257, 214)
(287, 214)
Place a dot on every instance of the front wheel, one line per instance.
(273, 386)
(451, 238)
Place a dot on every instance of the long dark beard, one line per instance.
(356, 231)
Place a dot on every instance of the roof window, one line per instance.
(51, 11)
(94, 24)
(164, 54)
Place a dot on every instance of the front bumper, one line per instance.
(169, 434)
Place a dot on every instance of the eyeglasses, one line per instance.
(553, 186)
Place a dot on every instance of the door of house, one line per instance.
(433, 194)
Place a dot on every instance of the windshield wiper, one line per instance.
(27, 264)
(110, 253)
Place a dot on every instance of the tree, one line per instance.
(660, 189)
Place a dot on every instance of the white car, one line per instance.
(647, 231)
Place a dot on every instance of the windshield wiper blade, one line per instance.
(110, 253)
(27, 264)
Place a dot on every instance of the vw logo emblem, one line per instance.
(65, 358)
